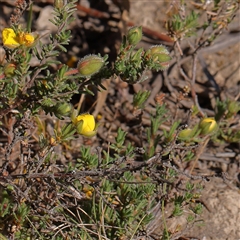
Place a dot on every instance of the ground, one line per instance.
(221, 195)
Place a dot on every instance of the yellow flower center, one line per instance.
(26, 39)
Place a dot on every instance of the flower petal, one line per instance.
(9, 37)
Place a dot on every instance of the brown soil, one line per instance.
(220, 219)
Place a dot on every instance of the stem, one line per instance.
(194, 95)
(163, 210)
(71, 72)
(199, 153)
(29, 21)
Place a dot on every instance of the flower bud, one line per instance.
(208, 126)
(62, 109)
(9, 69)
(59, 4)
(160, 55)
(162, 58)
(134, 35)
(185, 134)
(53, 141)
(159, 49)
(90, 65)
(189, 134)
(85, 124)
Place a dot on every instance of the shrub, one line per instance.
(104, 193)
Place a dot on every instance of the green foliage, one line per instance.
(5, 205)
(140, 98)
(120, 139)
(169, 136)
(121, 204)
(131, 65)
(227, 109)
(87, 160)
(153, 138)
(225, 113)
(198, 209)
(108, 191)
(181, 28)
(188, 200)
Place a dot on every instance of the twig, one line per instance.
(223, 41)
(194, 95)
(147, 31)
(112, 171)
(202, 147)
(92, 12)
(194, 177)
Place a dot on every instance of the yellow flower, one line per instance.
(13, 40)
(10, 38)
(208, 125)
(26, 39)
(88, 190)
(86, 125)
